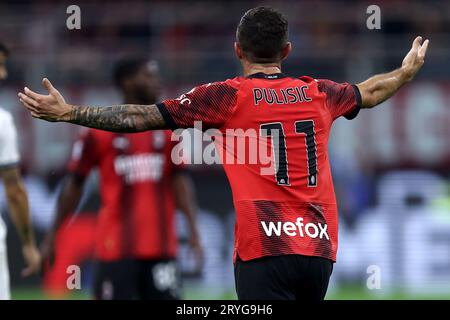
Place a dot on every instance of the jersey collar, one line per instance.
(262, 75)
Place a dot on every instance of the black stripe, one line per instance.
(352, 114)
(166, 116)
(262, 75)
(126, 209)
(357, 95)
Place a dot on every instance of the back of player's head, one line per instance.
(4, 49)
(127, 68)
(262, 34)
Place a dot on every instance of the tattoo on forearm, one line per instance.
(120, 118)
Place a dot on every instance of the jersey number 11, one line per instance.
(278, 141)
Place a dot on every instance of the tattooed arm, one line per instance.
(120, 118)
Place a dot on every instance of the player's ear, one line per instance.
(286, 50)
(238, 50)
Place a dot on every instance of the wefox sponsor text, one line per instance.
(298, 228)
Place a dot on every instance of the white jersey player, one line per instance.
(16, 196)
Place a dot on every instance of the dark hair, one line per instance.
(126, 68)
(262, 34)
(4, 49)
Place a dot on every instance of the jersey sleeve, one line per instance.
(85, 154)
(9, 152)
(342, 99)
(212, 104)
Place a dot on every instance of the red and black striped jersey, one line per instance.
(288, 207)
(136, 218)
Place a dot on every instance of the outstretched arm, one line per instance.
(378, 88)
(119, 118)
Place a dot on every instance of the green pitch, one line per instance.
(344, 293)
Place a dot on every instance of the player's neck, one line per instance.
(267, 68)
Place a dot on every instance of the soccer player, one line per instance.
(286, 223)
(140, 186)
(16, 195)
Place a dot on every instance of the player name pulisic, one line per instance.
(278, 96)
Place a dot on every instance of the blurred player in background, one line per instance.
(16, 195)
(140, 187)
(286, 222)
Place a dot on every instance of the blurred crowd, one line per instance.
(193, 39)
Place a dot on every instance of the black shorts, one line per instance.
(289, 277)
(136, 279)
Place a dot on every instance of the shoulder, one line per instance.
(308, 79)
(228, 85)
(213, 92)
(234, 82)
(328, 85)
(323, 85)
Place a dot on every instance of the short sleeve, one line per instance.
(212, 104)
(9, 153)
(342, 99)
(84, 154)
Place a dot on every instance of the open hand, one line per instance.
(415, 58)
(51, 107)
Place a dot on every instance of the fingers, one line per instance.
(416, 43)
(28, 100)
(32, 94)
(31, 100)
(34, 112)
(29, 107)
(48, 85)
(42, 106)
(423, 49)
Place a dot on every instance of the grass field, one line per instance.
(347, 293)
